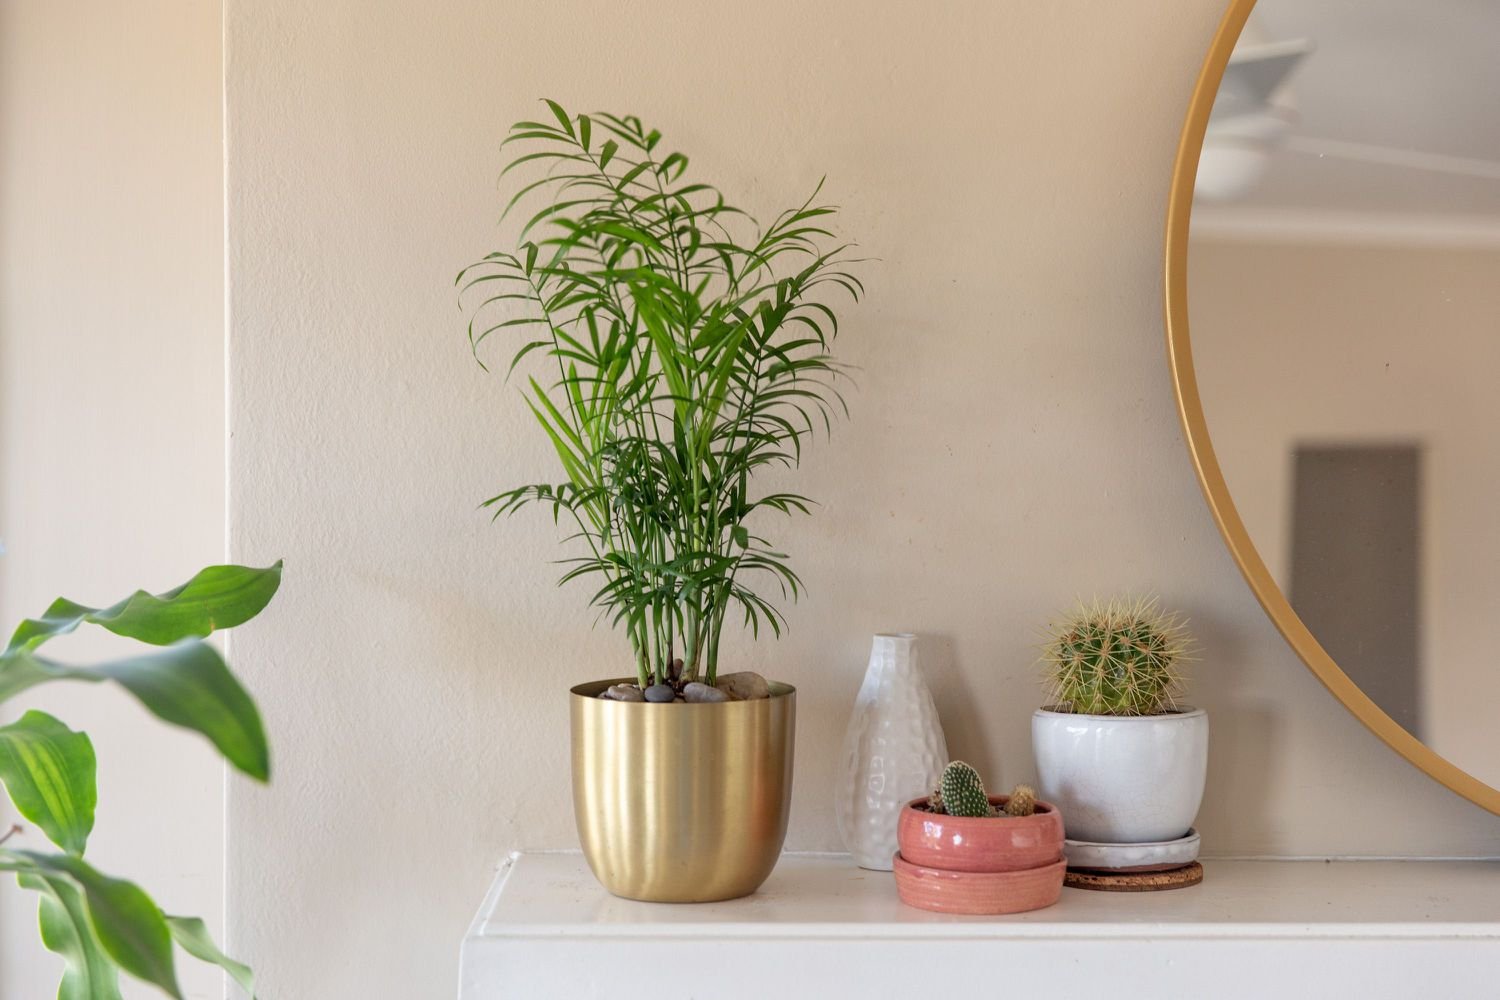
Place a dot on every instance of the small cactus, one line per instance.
(963, 792)
(1116, 659)
(1022, 801)
(935, 800)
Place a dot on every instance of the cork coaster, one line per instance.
(1177, 878)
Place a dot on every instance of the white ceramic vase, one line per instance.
(1121, 779)
(894, 751)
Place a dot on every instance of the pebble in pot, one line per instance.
(661, 693)
(746, 685)
(623, 692)
(696, 692)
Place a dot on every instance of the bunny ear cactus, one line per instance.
(1117, 659)
(963, 791)
(960, 792)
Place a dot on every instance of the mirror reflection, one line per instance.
(1344, 298)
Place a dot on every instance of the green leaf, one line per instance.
(128, 925)
(607, 152)
(49, 769)
(217, 597)
(560, 115)
(631, 234)
(89, 974)
(673, 160)
(186, 684)
(191, 934)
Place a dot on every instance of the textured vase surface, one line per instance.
(894, 751)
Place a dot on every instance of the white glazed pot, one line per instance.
(1122, 779)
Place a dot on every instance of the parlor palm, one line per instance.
(672, 350)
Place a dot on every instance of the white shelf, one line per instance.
(822, 928)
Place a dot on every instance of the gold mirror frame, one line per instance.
(1195, 428)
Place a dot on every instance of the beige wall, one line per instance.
(1014, 442)
(112, 400)
(1330, 343)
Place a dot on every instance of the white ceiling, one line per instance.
(1413, 76)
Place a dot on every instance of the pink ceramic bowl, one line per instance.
(978, 892)
(980, 843)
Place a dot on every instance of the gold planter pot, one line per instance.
(682, 803)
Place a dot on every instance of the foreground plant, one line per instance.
(100, 924)
(1119, 658)
(677, 350)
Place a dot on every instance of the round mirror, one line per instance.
(1334, 248)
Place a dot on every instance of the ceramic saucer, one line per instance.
(1154, 857)
(978, 892)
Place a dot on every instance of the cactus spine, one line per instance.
(963, 792)
(1022, 801)
(1116, 659)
